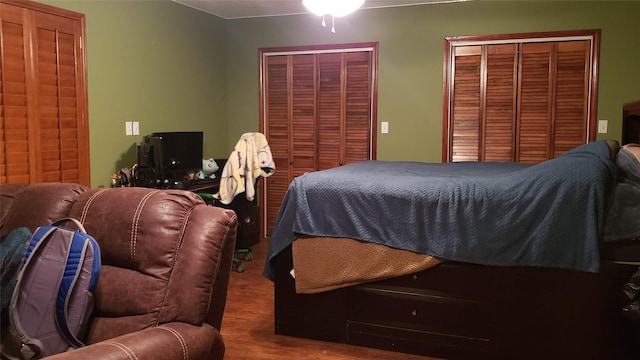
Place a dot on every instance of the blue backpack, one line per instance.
(53, 297)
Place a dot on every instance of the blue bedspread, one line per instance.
(550, 214)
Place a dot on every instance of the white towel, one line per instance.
(250, 159)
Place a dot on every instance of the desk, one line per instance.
(210, 186)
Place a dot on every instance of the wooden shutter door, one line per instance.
(357, 95)
(571, 96)
(500, 84)
(536, 96)
(303, 115)
(553, 99)
(317, 115)
(525, 98)
(466, 104)
(277, 110)
(17, 159)
(484, 101)
(330, 110)
(344, 108)
(291, 129)
(44, 113)
(63, 138)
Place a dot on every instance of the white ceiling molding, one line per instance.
(236, 9)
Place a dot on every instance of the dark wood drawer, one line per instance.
(449, 279)
(419, 342)
(419, 310)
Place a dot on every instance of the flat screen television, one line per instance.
(169, 156)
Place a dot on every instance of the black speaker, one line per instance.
(248, 214)
(631, 129)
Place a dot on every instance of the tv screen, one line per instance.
(179, 151)
(166, 158)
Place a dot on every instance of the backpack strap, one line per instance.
(72, 271)
(29, 348)
(75, 221)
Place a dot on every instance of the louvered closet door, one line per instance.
(536, 98)
(344, 108)
(553, 99)
(571, 95)
(357, 127)
(466, 104)
(291, 130)
(499, 126)
(278, 110)
(526, 102)
(484, 103)
(317, 116)
(45, 130)
(303, 115)
(330, 111)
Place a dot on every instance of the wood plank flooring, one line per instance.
(248, 324)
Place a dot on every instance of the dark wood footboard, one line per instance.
(465, 311)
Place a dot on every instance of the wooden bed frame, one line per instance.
(465, 311)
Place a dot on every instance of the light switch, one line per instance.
(602, 126)
(136, 128)
(128, 128)
(384, 127)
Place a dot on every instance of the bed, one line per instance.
(463, 260)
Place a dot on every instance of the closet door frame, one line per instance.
(450, 43)
(264, 53)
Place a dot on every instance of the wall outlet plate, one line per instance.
(602, 126)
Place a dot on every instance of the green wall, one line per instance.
(173, 68)
(156, 62)
(411, 40)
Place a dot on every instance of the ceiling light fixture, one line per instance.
(333, 8)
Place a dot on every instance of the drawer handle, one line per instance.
(415, 277)
(414, 313)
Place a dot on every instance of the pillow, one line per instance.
(628, 161)
(634, 149)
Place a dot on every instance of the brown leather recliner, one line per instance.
(166, 259)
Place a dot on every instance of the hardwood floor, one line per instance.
(248, 324)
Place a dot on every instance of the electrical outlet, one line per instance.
(384, 127)
(602, 126)
(128, 128)
(136, 128)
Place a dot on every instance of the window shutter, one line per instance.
(57, 98)
(45, 129)
(17, 159)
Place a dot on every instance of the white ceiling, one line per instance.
(234, 9)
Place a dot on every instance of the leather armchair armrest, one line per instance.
(173, 340)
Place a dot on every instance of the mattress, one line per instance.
(550, 214)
